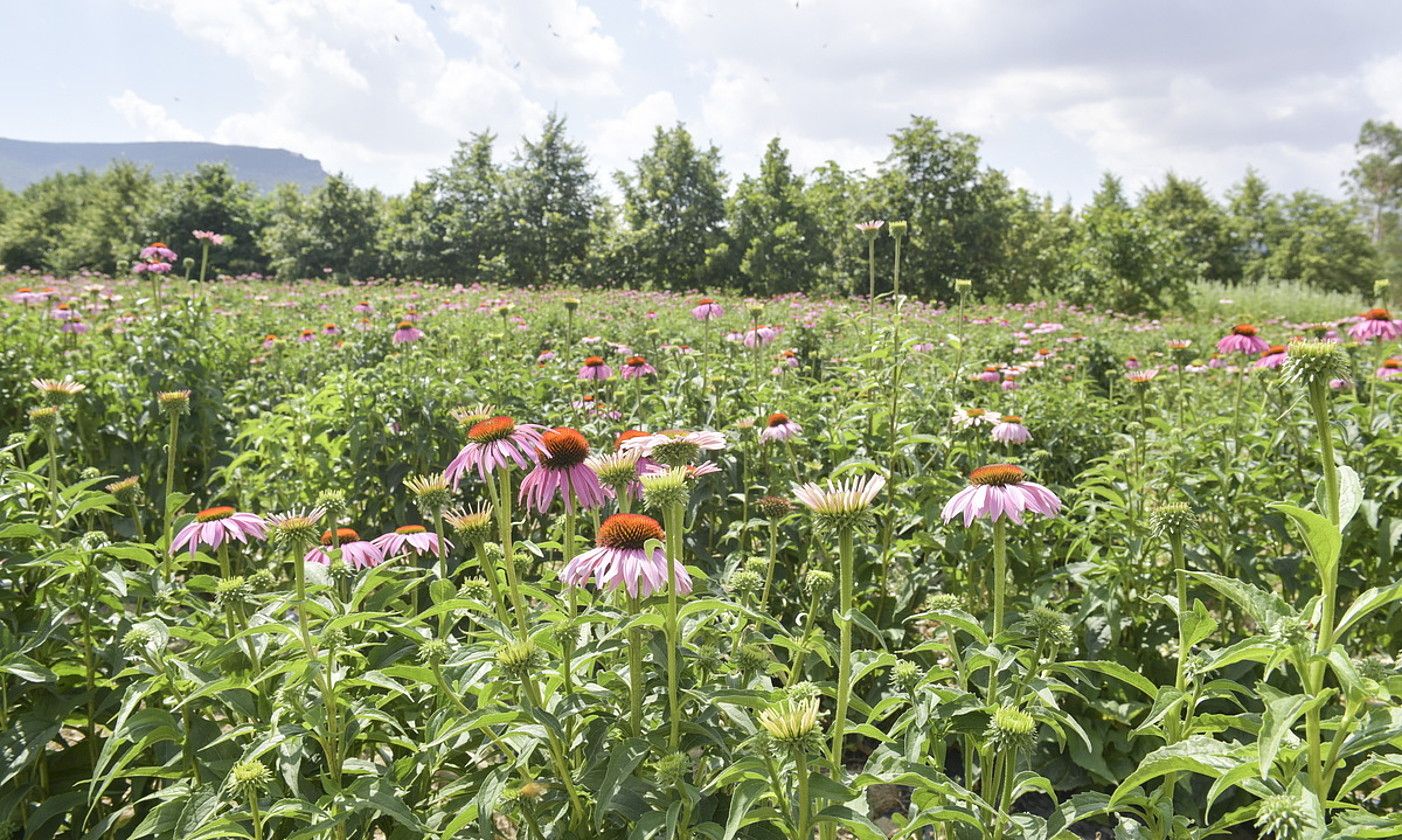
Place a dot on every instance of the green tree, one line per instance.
(550, 200)
(1038, 245)
(774, 232)
(1322, 243)
(837, 200)
(1203, 229)
(674, 206)
(337, 227)
(107, 225)
(1123, 259)
(1253, 214)
(453, 223)
(35, 229)
(1376, 179)
(211, 198)
(956, 210)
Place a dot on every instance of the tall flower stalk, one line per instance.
(174, 404)
(841, 508)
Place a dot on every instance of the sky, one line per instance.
(1059, 91)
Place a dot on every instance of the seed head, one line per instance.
(758, 565)
(251, 776)
(943, 602)
(1171, 519)
(804, 691)
(773, 508)
(817, 582)
(616, 470)
(905, 675)
(138, 640)
(897, 229)
(475, 589)
(1011, 729)
(745, 582)
(1050, 626)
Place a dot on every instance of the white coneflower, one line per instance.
(841, 504)
(58, 391)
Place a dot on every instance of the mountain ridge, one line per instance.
(23, 162)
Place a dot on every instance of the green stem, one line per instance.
(53, 475)
(508, 549)
(673, 544)
(1000, 578)
(635, 670)
(844, 656)
(804, 805)
(171, 441)
(773, 551)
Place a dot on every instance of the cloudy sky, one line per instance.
(1059, 90)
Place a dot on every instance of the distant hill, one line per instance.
(22, 162)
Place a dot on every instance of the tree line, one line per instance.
(678, 223)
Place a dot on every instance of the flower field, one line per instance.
(402, 560)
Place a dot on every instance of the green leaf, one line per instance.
(1279, 716)
(27, 669)
(1365, 603)
(622, 761)
(1324, 540)
(1198, 754)
(1115, 670)
(1350, 495)
(1265, 608)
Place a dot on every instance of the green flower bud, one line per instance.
(251, 776)
(905, 675)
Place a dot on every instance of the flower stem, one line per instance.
(804, 806)
(1000, 577)
(635, 670)
(170, 487)
(844, 656)
(673, 542)
(508, 550)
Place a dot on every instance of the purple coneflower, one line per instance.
(675, 447)
(407, 333)
(364, 306)
(637, 367)
(1391, 367)
(406, 537)
(1375, 324)
(595, 368)
(306, 336)
(1272, 357)
(561, 471)
(357, 553)
(330, 329)
(967, 418)
(779, 428)
(1242, 339)
(494, 443)
(706, 310)
(619, 559)
(209, 236)
(217, 525)
(998, 490)
(1010, 430)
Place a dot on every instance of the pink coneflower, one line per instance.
(407, 333)
(1242, 339)
(28, 296)
(74, 326)
(990, 374)
(779, 428)
(209, 236)
(1391, 367)
(217, 525)
(788, 358)
(998, 490)
(545, 356)
(1272, 357)
(759, 336)
(620, 559)
(706, 310)
(1131, 363)
(636, 367)
(269, 340)
(364, 306)
(409, 537)
(595, 368)
(357, 553)
(306, 336)
(158, 252)
(562, 472)
(495, 443)
(330, 329)
(1142, 377)
(1179, 343)
(1375, 324)
(869, 228)
(1010, 430)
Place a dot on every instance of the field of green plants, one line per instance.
(400, 560)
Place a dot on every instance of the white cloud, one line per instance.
(616, 141)
(555, 44)
(150, 118)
